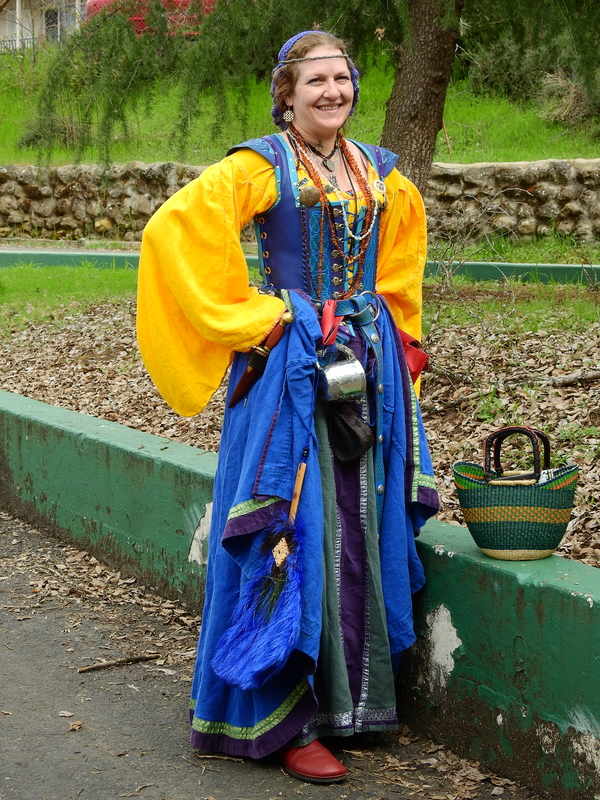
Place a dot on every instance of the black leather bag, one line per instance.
(349, 435)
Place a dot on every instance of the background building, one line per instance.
(24, 23)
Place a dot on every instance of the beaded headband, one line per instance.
(312, 58)
(282, 61)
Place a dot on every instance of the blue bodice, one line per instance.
(289, 233)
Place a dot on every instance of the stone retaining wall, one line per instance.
(521, 198)
(464, 201)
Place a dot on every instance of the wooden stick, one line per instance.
(297, 490)
(118, 662)
(576, 377)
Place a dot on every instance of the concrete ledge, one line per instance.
(133, 498)
(507, 665)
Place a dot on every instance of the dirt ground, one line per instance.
(122, 731)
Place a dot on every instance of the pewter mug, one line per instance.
(344, 379)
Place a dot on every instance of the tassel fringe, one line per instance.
(266, 621)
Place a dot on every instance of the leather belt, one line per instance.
(359, 310)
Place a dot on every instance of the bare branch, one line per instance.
(119, 662)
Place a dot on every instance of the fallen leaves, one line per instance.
(169, 637)
(406, 765)
(466, 777)
(488, 375)
(484, 376)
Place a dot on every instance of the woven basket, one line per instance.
(516, 516)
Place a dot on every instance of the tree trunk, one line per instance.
(416, 105)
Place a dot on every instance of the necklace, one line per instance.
(327, 161)
(353, 262)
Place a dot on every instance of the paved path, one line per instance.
(123, 732)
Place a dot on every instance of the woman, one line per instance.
(319, 492)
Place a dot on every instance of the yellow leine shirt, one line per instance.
(195, 304)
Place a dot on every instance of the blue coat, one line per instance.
(262, 444)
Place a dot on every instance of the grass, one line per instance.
(479, 128)
(482, 128)
(516, 307)
(552, 249)
(29, 293)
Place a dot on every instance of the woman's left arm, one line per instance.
(402, 253)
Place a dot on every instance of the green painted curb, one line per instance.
(506, 667)
(544, 273)
(478, 270)
(105, 259)
(135, 499)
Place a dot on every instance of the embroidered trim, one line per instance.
(252, 731)
(414, 419)
(248, 506)
(427, 481)
(366, 675)
(356, 720)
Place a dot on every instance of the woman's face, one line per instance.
(323, 95)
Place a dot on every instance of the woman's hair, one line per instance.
(285, 76)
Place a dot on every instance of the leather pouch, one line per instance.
(349, 435)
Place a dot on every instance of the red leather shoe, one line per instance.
(312, 763)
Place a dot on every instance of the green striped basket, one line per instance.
(514, 519)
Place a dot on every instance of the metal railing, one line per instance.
(12, 45)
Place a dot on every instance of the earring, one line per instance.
(288, 115)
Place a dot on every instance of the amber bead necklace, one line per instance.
(355, 262)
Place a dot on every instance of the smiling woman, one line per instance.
(324, 473)
(323, 95)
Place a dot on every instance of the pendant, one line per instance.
(329, 164)
(334, 181)
(328, 189)
(379, 186)
(309, 196)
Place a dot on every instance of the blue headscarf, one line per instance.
(281, 58)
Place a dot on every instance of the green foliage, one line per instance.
(21, 75)
(511, 306)
(509, 48)
(553, 249)
(493, 128)
(105, 76)
(110, 72)
(480, 128)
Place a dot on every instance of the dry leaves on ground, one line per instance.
(71, 577)
(484, 376)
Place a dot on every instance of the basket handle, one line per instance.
(494, 442)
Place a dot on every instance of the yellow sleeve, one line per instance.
(195, 305)
(402, 252)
